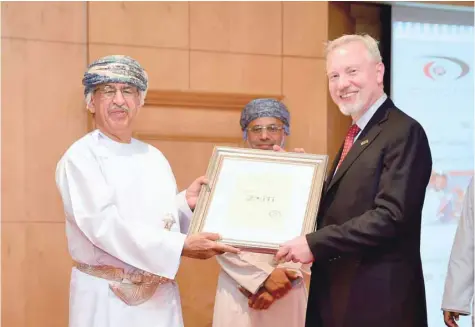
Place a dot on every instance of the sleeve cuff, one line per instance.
(254, 285)
(462, 312)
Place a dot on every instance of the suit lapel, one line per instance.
(332, 170)
(367, 136)
(355, 151)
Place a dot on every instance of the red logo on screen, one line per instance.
(439, 66)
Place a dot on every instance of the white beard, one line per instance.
(351, 109)
(347, 111)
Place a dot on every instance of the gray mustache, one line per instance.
(124, 108)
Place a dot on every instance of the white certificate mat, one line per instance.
(258, 199)
(269, 196)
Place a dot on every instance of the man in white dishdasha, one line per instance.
(124, 219)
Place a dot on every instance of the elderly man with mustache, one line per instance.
(125, 223)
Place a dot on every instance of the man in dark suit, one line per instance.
(367, 269)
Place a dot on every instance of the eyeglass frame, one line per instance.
(109, 95)
(266, 128)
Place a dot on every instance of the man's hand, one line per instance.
(262, 300)
(296, 250)
(277, 148)
(193, 191)
(450, 318)
(279, 281)
(204, 246)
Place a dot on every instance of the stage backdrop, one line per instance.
(432, 81)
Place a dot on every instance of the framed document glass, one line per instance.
(258, 199)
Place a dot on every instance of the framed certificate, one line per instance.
(258, 199)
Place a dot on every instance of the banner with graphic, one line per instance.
(432, 81)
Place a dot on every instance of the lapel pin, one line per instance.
(364, 142)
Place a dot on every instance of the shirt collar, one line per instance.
(363, 120)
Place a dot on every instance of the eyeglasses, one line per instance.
(271, 129)
(109, 92)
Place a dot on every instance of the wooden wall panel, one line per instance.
(367, 19)
(189, 122)
(37, 113)
(305, 28)
(221, 72)
(40, 21)
(35, 275)
(305, 95)
(154, 24)
(238, 27)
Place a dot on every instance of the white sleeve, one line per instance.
(458, 291)
(299, 268)
(89, 202)
(249, 275)
(184, 212)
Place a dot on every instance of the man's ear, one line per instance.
(380, 72)
(91, 107)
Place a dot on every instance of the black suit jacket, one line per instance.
(367, 270)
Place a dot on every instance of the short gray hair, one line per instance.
(369, 42)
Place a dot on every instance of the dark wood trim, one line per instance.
(198, 99)
(186, 138)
